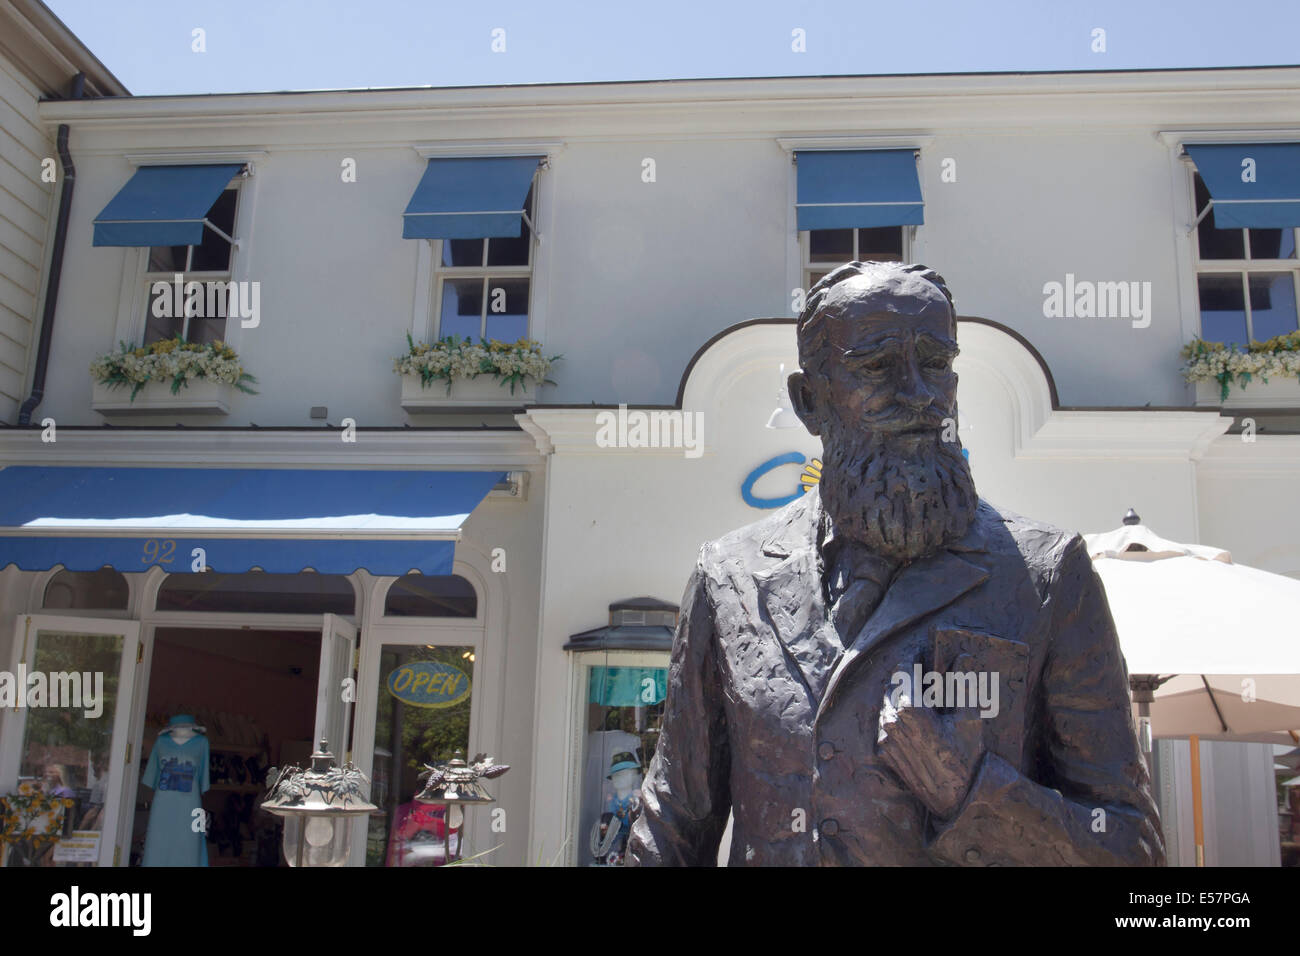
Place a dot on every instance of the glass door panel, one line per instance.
(63, 755)
(423, 716)
(333, 699)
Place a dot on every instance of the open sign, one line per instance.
(428, 684)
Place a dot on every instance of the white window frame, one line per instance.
(485, 633)
(1242, 268)
(427, 301)
(133, 294)
(913, 236)
(482, 272)
(188, 275)
(807, 267)
(577, 854)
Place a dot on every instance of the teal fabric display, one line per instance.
(178, 774)
(627, 686)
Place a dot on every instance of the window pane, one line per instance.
(1223, 308)
(462, 309)
(882, 244)
(507, 313)
(1272, 304)
(1215, 243)
(408, 736)
(167, 258)
(1272, 243)
(213, 254)
(462, 252)
(624, 713)
(513, 251)
(830, 245)
(64, 753)
(206, 330)
(419, 595)
(168, 327)
(102, 590)
(258, 593)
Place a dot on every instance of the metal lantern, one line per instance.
(455, 784)
(318, 807)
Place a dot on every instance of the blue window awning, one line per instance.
(470, 198)
(279, 520)
(1270, 196)
(163, 206)
(844, 189)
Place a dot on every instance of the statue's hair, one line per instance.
(811, 328)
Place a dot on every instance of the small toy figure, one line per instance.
(609, 834)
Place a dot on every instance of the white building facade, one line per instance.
(667, 232)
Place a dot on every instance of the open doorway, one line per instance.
(254, 692)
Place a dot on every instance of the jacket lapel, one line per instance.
(790, 595)
(919, 589)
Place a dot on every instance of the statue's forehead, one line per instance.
(864, 305)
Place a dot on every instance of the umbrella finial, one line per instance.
(1132, 517)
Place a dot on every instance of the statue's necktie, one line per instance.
(857, 584)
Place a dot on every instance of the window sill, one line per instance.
(200, 397)
(481, 392)
(1276, 393)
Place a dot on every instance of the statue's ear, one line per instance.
(804, 402)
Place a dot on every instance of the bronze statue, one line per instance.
(891, 670)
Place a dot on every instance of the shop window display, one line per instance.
(422, 718)
(67, 759)
(624, 708)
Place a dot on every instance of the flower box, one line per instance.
(1275, 393)
(199, 397)
(478, 392)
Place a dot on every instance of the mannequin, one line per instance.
(178, 773)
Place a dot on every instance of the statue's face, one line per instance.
(888, 361)
(883, 397)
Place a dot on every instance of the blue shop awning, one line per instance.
(1262, 194)
(279, 520)
(163, 206)
(843, 189)
(470, 198)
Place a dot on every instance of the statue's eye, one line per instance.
(937, 364)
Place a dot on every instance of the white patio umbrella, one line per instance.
(1211, 646)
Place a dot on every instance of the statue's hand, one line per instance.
(935, 756)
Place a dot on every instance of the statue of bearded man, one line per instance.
(891, 670)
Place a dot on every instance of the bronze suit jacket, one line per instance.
(773, 716)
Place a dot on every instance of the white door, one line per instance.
(336, 689)
(75, 677)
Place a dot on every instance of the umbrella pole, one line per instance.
(1198, 819)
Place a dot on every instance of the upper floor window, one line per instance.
(824, 249)
(193, 317)
(484, 286)
(860, 204)
(1247, 270)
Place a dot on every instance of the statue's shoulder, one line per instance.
(1041, 545)
(777, 534)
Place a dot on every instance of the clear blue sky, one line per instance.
(256, 45)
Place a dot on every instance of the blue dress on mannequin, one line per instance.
(178, 774)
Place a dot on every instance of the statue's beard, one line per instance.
(902, 498)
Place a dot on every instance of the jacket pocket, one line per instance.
(991, 671)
